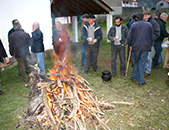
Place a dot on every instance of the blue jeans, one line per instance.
(160, 58)
(149, 61)
(158, 50)
(40, 60)
(140, 58)
(83, 55)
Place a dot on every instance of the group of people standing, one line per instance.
(19, 43)
(141, 34)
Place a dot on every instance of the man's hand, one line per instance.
(95, 40)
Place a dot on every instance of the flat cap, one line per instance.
(85, 16)
(147, 12)
(92, 16)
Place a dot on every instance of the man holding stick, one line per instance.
(141, 39)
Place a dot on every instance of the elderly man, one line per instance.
(141, 39)
(163, 33)
(38, 47)
(156, 33)
(91, 34)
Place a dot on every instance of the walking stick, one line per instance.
(128, 62)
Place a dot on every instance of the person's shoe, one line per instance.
(133, 80)
(96, 70)
(157, 67)
(82, 65)
(146, 74)
(26, 81)
(141, 84)
(113, 74)
(1, 92)
(123, 74)
(86, 71)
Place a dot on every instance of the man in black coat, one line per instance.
(3, 56)
(19, 43)
(163, 33)
(156, 33)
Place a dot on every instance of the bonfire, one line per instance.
(63, 100)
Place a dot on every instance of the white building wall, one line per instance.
(27, 12)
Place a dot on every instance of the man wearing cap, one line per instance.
(91, 34)
(156, 33)
(85, 20)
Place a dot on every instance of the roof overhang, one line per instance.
(62, 8)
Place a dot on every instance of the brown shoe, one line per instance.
(1, 92)
(146, 74)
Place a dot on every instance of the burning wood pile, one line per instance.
(63, 100)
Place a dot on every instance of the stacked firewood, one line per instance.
(65, 102)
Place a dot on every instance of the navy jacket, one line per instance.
(37, 37)
(97, 33)
(141, 36)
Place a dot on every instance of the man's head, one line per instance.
(164, 16)
(85, 17)
(147, 15)
(118, 21)
(35, 26)
(17, 25)
(157, 15)
(91, 19)
(140, 16)
(58, 25)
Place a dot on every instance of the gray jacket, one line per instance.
(112, 34)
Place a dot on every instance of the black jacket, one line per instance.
(156, 28)
(37, 37)
(19, 43)
(163, 32)
(112, 34)
(2, 52)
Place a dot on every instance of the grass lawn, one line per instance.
(151, 101)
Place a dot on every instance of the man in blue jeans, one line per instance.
(141, 39)
(85, 20)
(156, 33)
(38, 47)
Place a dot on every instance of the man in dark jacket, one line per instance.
(19, 43)
(3, 56)
(38, 47)
(91, 34)
(141, 39)
(118, 37)
(156, 33)
(163, 33)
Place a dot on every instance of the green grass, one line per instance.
(151, 102)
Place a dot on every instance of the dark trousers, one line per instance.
(21, 63)
(158, 50)
(121, 50)
(89, 50)
(83, 55)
